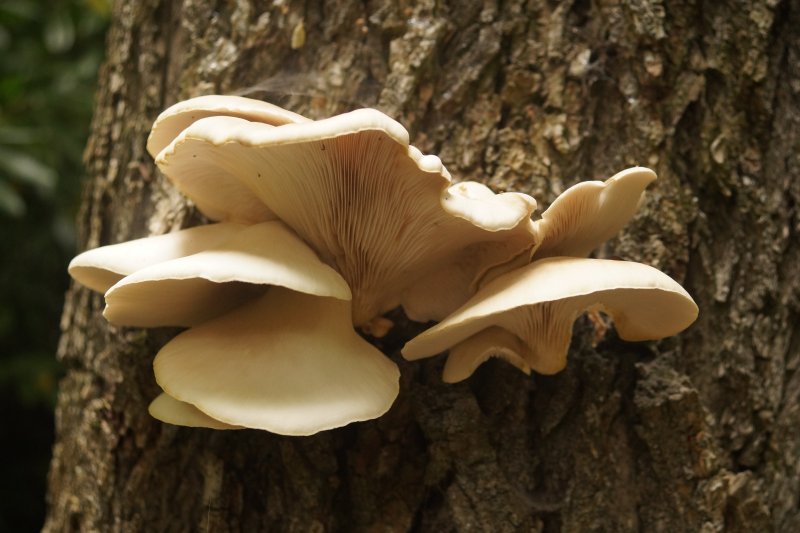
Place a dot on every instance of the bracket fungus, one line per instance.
(524, 314)
(370, 205)
(320, 227)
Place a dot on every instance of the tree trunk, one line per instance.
(700, 432)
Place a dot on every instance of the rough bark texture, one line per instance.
(696, 433)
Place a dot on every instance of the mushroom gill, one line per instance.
(587, 214)
(370, 205)
(538, 304)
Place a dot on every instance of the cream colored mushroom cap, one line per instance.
(369, 204)
(102, 267)
(587, 214)
(167, 409)
(192, 289)
(476, 202)
(288, 362)
(178, 117)
(538, 304)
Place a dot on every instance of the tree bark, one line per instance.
(700, 432)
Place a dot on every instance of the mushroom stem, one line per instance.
(545, 332)
(378, 327)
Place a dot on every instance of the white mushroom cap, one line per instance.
(372, 207)
(538, 305)
(579, 220)
(591, 212)
(288, 362)
(178, 117)
(480, 205)
(169, 410)
(192, 289)
(100, 268)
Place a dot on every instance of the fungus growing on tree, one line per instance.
(311, 214)
(323, 226)
(178, 117)
(589, 213)
(286, 362)
(371, 206)
(172, 411)
(100, 268)
(526, 315)
(211, 282)
(524, 311)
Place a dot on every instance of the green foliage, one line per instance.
(49, 55)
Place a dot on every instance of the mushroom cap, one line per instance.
(369, 204)
(287, 362)
(480, 205)
(192, 289)
(493, 341)
(102, 267)
(181, 115)
(169, 410)
(178, 117)
(579, 220)
(539, 303)
(587, 214)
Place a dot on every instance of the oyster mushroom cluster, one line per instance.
(320, 227)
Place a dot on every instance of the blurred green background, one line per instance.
(50, 52)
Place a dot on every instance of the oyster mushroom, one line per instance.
(287, 362)
(192, 289)
(102, 267)
(371, 206)
(178, 117)
(259, 355)
(587, 214)
(580, 220)
(172, 411)
(171, 122)
(526, 316)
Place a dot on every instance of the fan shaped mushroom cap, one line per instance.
(102, 267)
(538, 305)
(181, 115)
(192, 289)
(369, 204)
(288, 362)
(178, 117)
(169, 410)
(587, 214)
